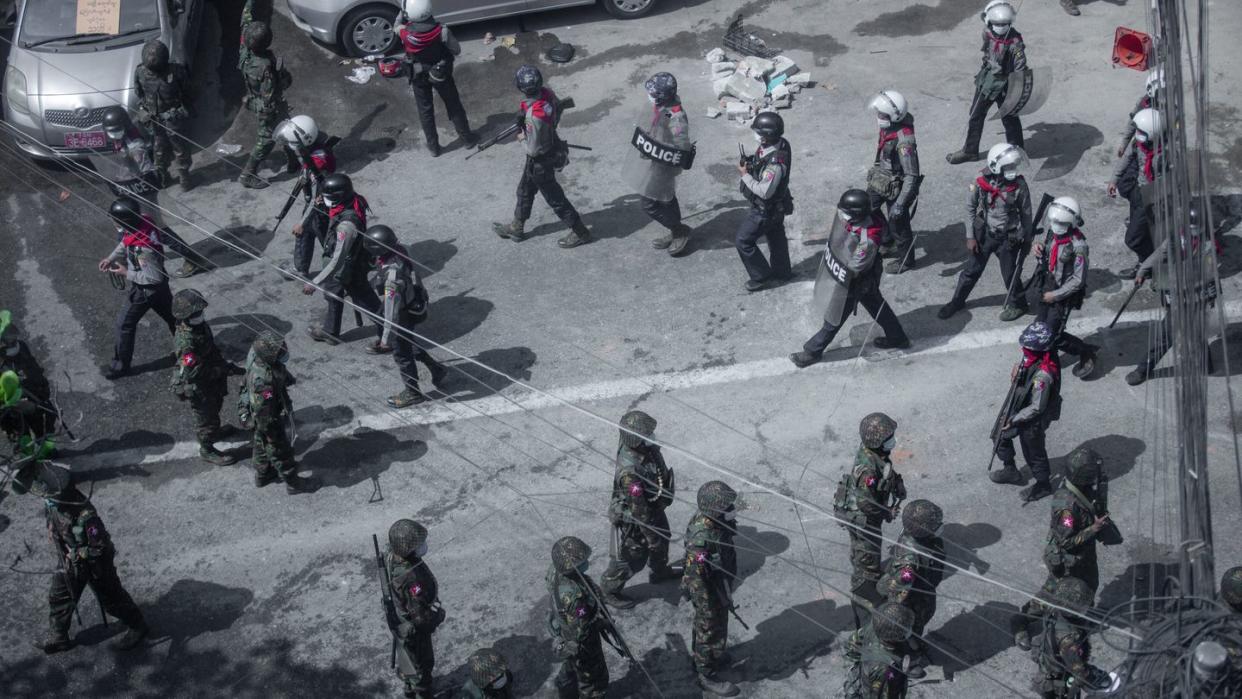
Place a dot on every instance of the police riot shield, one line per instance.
(1027, 92)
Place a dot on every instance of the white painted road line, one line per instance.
(520, 399)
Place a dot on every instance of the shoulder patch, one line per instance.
(188, 359)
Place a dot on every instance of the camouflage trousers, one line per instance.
(205, 403)
(585, 674)
(99, 574)
(865, 559)
(711, 625)
(169, 144)
(268, 121)
(422, 660)
(641, 545)
(273, 450)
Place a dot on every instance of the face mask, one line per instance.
(651, 98)
(1000, 29)
(500, 683)
(329, 200)
(1141, 137)
(1059, 227)
(196, 319)
(758, 138)
(116, 135)
(583, 567)
(883, 121)
(844, 216)
(282, 358)
(1010, 175)
(890, 443)
(421, 550)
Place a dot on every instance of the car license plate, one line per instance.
(86, 139)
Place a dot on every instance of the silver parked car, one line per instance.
(363, 27)
(63, 72)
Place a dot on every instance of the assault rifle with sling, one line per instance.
(390, 608)
(302, 186)
(517, 125)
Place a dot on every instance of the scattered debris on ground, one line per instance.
(748, 84)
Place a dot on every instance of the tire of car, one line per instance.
(369, 29)
(628, 9)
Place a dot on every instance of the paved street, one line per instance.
(255, 593)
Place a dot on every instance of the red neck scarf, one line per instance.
(1149, 157)
(146, 236)
(1047, 361)
(1058, 241)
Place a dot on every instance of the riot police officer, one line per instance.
(663, 150)
(765, 178)
(851, 267)
(164, 98)
(998, 222)
(538, 117)
(894, 178)
(311, 151)
(345, 273)
(1139, 166)
(1003, 53)
(405, 305)
(1035, 404)
(1061, 279)
(430, 50)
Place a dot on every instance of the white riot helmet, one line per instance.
(1155, 81)
(1063, 214)
(300, 130)
(1006, 159)
(1148, 125)
(889, 107)
(416, 10)
(999, 15)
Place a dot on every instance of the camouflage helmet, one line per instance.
(486, 667)
(257, 36)
(1074, 593)
(1231, 588)
(922, 518)
(716, 497)
(1037, 337)
(405, 536)
(155, 55)
(892, 622)
(1084, 467)
(875, 429)
(568, 553)
(42, 478)
(269, 345)
(639, 422)
(186, 303)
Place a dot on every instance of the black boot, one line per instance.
(619, 600)
(578, 235)
(1021, 635)
(949, 309)
(54, 643)
(1086, 364)
(211, 455)
(249, 177)
(963, 156)
(886, 342)
(1008, 475)
(515, 231)
(132, 637)
(1039, 491)
(714, 685)
(406, 399)
(265, 478)
(295, 484)
(804, 359)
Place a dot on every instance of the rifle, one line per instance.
(1016, 281)
(1129, 298)
(69, 580)
(567, 103)
(390, 609)
(298, 189)
(727, 600)
(1006, 411)
(609, 631)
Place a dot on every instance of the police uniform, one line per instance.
(545, 154)
(143, 253)
(430, 46)
(1156, 268)
(1038, 403)
(1065, 277)
(405, 305)
(998, 219)
(1001, 57)
(853, 252)
(656, 182)
(345, 272)
(415, 594)
(894, 182)
(317, 162)
(1138, 167)
(766, 187)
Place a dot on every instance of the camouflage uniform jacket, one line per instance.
(913, 573)
(711, 560)
(415, 593)
(1063, 653)
(639, 486)
(1071, 540)
(264, 90)
(876, 672)
(264, 398)
(869, 489)
(1003, 208)
(163, 96)
(75, 527)
(200, 366)
(574, 619)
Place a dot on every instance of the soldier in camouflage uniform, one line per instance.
(866, 498)
(707, 581)
(28, 417)
(266, 80)
(641, 490)
(264, 406)
(85, 557)
(1231, 589)
(1065, 650)
(876, 653)
(575, 622)
(915, 569)
(489, 676)
(1078, 517)
(894, 179)
(164, 102)
(201, 376)
(416, 597)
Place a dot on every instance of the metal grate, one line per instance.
(74, 118)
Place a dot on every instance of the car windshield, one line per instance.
(67, 22)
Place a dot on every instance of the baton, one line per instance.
(1121, 310)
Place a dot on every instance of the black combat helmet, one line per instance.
(116, 122)
(338, 187)
(529, 80)
(855, 204)
(1084, 467)
(769, 125)
(380, 240)
(1231, 588)
(126, 212)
